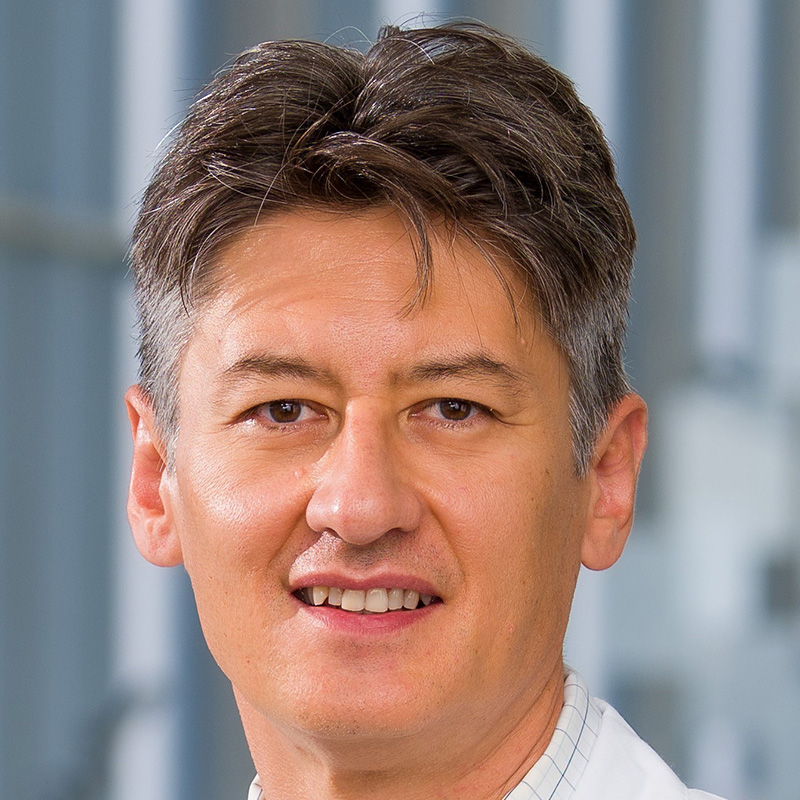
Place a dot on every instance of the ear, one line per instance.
(149, 497)
(613, 474)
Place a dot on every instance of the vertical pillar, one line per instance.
(409, 12)
(146, 602)
(728, 188)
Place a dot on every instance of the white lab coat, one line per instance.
(622, 767)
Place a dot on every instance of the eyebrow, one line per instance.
(470, 366)
(474, 366)
(273, 366)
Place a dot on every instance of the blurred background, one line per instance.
(106, 690)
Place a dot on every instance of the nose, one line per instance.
(361, 491)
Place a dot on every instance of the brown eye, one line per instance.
(455, 410)
(284, 411)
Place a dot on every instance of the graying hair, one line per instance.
(457, 123)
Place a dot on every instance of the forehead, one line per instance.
(370, 246)
(322, 281)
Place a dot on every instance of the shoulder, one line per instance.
(623, 767)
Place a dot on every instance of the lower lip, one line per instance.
(349, 622)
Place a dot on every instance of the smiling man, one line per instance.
(383, 418)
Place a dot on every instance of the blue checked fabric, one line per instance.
(556, 774)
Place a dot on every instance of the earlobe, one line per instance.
(150, 510)
(613, 474)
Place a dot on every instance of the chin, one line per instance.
(347, 709)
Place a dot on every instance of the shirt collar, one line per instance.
(255, 790)
(555, 775)
(557, 772)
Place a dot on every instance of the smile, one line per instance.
(365, 601)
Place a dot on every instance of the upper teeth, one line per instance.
(375, 600)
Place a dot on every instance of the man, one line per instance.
(383, 418)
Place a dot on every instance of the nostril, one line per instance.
(361, 493)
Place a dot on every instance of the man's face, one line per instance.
(331, 437)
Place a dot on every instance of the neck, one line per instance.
(468, 755)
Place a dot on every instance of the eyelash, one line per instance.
(262, 411)
(475, 412)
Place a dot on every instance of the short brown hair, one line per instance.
(457, 122)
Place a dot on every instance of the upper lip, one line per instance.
(382, 580)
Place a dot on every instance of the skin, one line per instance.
(378, 482)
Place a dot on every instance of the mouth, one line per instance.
(365, 601)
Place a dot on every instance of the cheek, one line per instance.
(508, 511)
(240, 530)
(518, 539)
(236, 517)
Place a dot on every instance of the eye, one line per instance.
(454, 410)
(286, 412)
